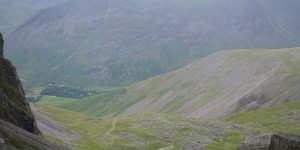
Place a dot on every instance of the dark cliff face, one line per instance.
(1, 46)
(13, 105)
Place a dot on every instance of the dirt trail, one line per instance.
(113, 127)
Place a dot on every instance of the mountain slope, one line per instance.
(14, 13)
(134, 132)
(223, 83)
(116, 42)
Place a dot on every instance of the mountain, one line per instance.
(223, 83)
(117, 42)
(14, 13)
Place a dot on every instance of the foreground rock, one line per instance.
(12, 137)
(13, 105)
(279, 141)
(283, 141)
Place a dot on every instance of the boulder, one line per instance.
(282, 141)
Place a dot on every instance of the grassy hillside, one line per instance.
(119, 42)
(153, 131)
(282, 118)
(139, 131)
(220, 84)
(110, 103)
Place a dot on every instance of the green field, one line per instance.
(101, 88)
(56, 101)
(38, 90)
(100, 105)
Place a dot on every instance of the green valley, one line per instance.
(170, 111)
(150, 74)
(154, 131)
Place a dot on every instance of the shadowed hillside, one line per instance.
(116, 42)
(14, 13)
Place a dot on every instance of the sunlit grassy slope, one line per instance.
(283, 118)
(222, 83)
(140, 131)
(153, 131)
(99, 105)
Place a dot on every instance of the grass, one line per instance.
(56, 101)
(282, 118)
(154, 131)
(140, 131)
(231, 139)
(22, 145)
(188, 89)
(38, 90)
(102, 88)
(99, 105)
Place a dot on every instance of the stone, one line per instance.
(14, 108)
(282, 141)
(254, 147)
(1, 46)
(279, 141)
(2, 142)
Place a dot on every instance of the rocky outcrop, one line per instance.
(13, 105)
(254, 147)
(1, 46)
(283, 141)
(279, 141)
(13, 138)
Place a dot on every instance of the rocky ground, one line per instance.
(12, 137)
(53, 129)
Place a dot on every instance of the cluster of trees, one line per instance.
(67, 92)
(33, 98)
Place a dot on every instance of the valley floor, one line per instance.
(165, 131)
